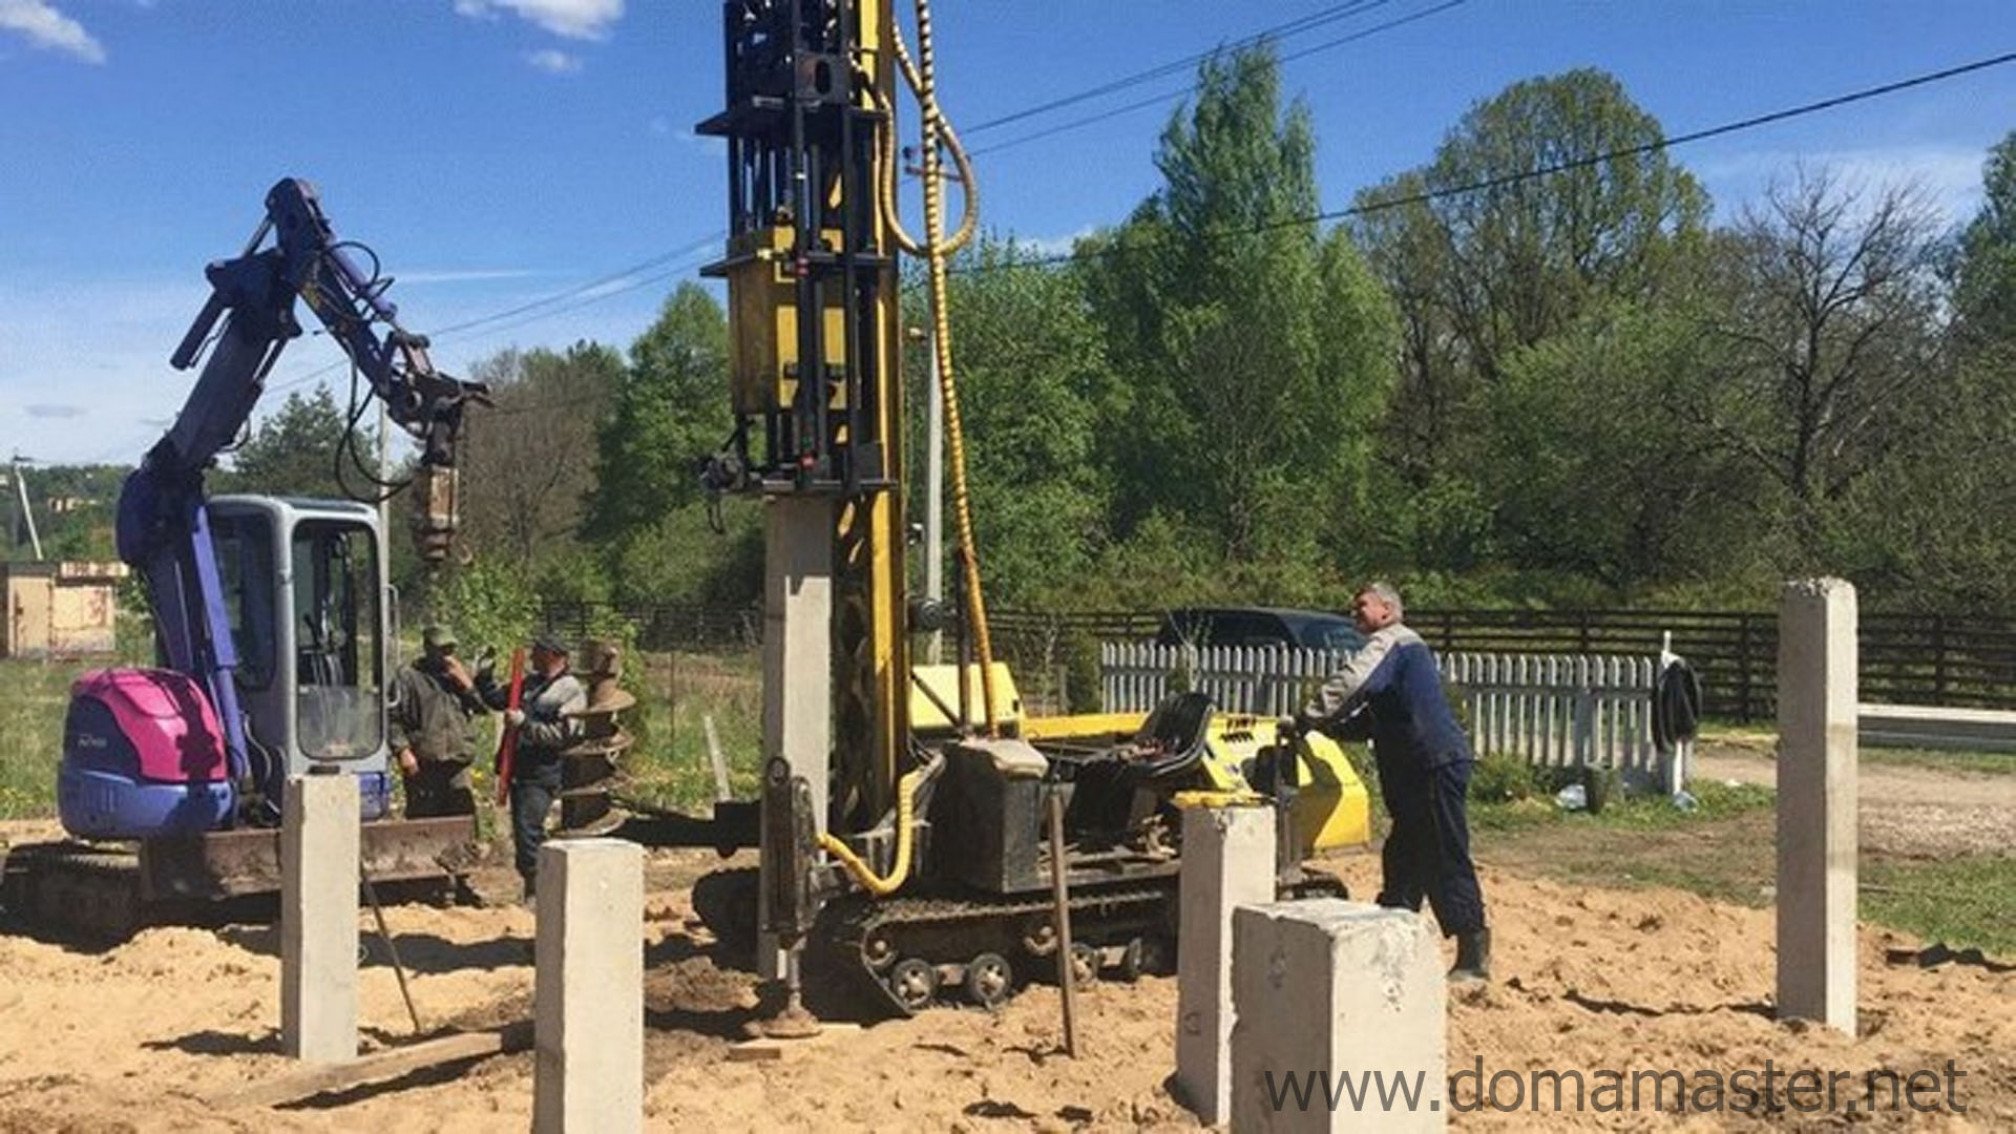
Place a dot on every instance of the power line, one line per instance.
(592, 292)
(1503, 180)
(1279, 31)
(1168, 96)
(544, 307)
(684, 250)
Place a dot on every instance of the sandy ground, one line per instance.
(144, 1036)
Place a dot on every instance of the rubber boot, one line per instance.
(1473, 957)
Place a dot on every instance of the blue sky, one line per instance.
(499, 152)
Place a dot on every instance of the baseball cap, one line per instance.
(437, 637)
(550, 641)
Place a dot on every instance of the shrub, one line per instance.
(1501, 778)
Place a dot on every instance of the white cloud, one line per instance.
(1949, 177)
(554, 62)
(1053, 245)
(46, 27)
(574, 19)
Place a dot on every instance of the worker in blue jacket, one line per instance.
(1391, 692)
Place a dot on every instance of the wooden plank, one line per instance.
(770, 1050)
(393, 1063)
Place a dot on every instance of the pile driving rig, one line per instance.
(273, 618)
(900, 825)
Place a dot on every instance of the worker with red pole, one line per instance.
(538, 726)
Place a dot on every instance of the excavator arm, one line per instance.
(163, 526)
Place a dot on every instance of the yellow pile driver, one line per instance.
(900, 824)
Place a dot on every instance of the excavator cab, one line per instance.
(305, 596)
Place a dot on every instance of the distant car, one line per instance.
(1259, 626)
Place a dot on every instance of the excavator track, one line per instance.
(897, 956)
(73, 891)
(901, 954)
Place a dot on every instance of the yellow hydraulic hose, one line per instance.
(921, 77)
(899, 871)
(934, 249)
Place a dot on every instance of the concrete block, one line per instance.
(319, 850)
(1817, 720)
(1350, 994)
(588, 988)
(1228, 861)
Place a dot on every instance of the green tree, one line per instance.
(1032, 376)
(1827, 327)
(1252, 349)
(1928, 529)
(1599, 479)
(528, 464)
(1985, 287)
(670, 409)
(296, 450)
(1484, 259)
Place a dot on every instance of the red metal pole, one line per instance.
(507, 745)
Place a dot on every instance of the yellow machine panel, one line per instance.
(763, 299)
(1332, 808)
(941, 688)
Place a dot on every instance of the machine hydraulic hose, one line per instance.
(935, 248)
(899, 870)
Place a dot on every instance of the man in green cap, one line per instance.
(432, 744)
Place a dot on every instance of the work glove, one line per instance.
(513, 718)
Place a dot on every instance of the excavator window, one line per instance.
(338, 643)
(244, 544)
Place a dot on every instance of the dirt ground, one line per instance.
(146, 1035)
(1907, 812)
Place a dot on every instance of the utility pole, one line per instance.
(934, 459)
(934, 500)
(384, 472)
(27, 512)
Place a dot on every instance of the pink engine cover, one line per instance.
(167, 718)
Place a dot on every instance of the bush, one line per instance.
(486, 606)
(1082, 674)
(1502, 778)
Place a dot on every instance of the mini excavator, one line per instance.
(900, 825)
(272, 616)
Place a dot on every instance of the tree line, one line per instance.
(1496, 388)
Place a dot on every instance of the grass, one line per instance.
(676, 694)
(1764, 742)
(669, 767)
(31, 734)
(1944, 760)
(1725, 850)
(1961, 901)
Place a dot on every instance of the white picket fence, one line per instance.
(1265, 680)
(1553, 711)
(1560, 711)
